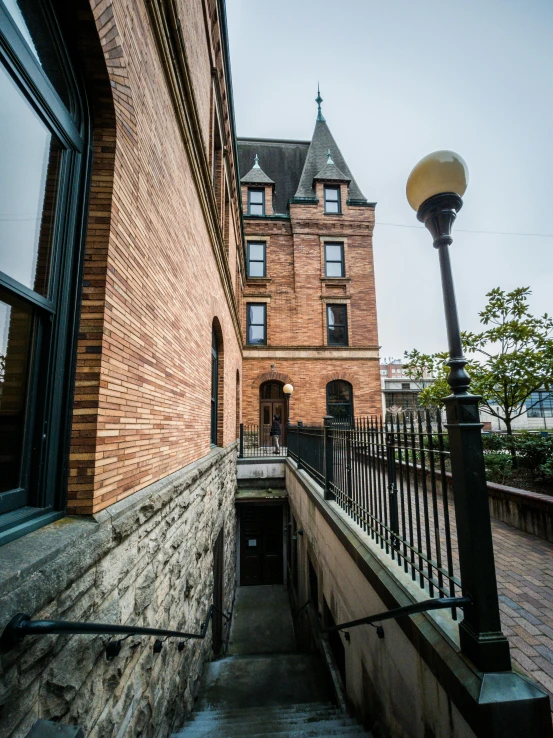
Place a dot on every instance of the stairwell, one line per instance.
(264, 686)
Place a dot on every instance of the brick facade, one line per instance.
(297, 292)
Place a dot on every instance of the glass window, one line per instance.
(214, 384)
(339, 400)
(540, 405)
(337, 327)
(29, 174)
(334, 260)
(332, 200)
(41, 186)
(256, 201)
(256, 323)
(256, 259)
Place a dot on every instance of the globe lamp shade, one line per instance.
(287, 389)
(436, 174)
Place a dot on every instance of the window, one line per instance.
(256, 201)
(256, 259)
(334, 260)
(540, 405)
(336, 325)
(214, 384)
(339, 400)
(42, 147)
(256, 323)
(405, 385)
(332, 200)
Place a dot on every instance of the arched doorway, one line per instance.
(271, 402)
(339, 400)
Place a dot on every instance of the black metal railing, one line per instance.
(21, 626)
(256, 441)
(306, 447)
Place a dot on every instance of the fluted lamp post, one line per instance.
(288, 389)
(434, 190)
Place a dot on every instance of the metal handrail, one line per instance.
(442, 603)
(21, 626)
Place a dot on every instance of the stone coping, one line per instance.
(77, 542)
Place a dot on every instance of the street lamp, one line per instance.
(434, 190)
(287, 389)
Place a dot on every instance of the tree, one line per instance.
(507, 361)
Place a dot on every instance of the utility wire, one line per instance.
(467, 230)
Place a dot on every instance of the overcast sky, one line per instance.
(401, 79)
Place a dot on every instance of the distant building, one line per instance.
(398, 390)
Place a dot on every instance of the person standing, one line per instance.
(275, 433)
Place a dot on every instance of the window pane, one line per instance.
(333, 252)
(256, 196)
(15, 343)
(331, 193)
(334, 269)
(331, 207)
(256, 209)
(256, 334)
(29, 169)
(257, 314)
(257, 251)
(31, 22)
(337, 336)
(336, 315)
(256, 269)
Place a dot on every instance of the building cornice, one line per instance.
(297, 353)
(168, 34)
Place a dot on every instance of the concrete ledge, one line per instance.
(491, 704)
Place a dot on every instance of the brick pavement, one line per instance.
(524, 565)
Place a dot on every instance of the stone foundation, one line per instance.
(147, 560)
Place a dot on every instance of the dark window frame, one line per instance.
(262, 203)
(349, 404)
(214, 386)
(328, 261)
(333, 306)
(337, 189)
(40, 496)
(248, 323)
(257, 261)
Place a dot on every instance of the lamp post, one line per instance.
(434, 190)
(287, 389)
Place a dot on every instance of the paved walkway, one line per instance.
(524, 565)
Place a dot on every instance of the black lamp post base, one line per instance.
(489, 652)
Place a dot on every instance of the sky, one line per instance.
(399, 80)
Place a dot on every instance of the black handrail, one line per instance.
(442, 603)
(21, 625)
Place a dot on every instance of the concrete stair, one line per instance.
(315, 719)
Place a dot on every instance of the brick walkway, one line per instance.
(524, 565)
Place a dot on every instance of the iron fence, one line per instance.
(256, 441)
(389, 476)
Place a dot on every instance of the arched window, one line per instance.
(214, 384)
(339, 400)
(43, 150)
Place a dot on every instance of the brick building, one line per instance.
(309, 305)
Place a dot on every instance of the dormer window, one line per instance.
(256, 201)
(332, 200)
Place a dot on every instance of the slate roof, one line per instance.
(330, 172)
(256, 175)
(316, 159)
(282, 161)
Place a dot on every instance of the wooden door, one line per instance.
(261, 544)
(267, 411)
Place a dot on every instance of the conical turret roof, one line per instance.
(330, 172)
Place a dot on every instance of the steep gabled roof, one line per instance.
(256, 175)
(316, 161)
(282, 161)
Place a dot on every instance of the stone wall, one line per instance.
(147, 560)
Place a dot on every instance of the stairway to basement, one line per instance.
(265, 687)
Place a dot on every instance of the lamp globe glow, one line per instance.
(287, 389)
(437, 173)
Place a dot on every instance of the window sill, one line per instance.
(257, 280)
(18, 523)
(334, 215)
(336, 280)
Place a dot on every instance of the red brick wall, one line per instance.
(297, 292)
(152, 282)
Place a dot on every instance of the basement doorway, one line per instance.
(261, 544)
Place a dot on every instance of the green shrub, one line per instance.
(533, 451)
(499, 466)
